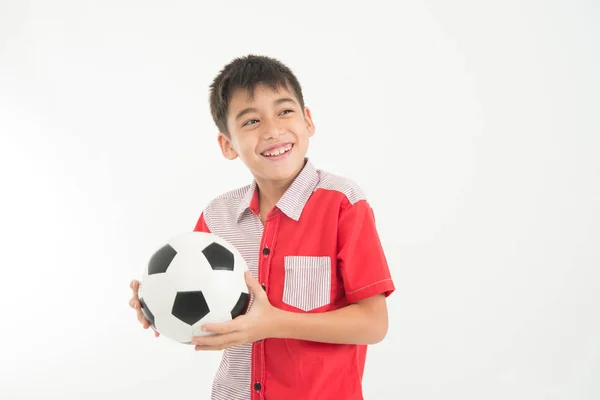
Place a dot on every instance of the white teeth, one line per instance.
(278, 152)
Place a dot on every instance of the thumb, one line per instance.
(253, 284)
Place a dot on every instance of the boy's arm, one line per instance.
(363, 322)
(367, 282)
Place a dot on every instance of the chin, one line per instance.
(281, 170)
(279, 174)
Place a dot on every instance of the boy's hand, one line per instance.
(258, 323)
(134, 303)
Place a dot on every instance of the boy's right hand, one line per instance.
(134, 303)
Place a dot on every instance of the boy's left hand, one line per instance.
(258, 323)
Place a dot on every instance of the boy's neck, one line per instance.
(268, 196)
(270, 192)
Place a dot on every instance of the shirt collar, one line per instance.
(293, 200)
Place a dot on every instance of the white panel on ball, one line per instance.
(181, 275)
(194, 279)
(159, 295)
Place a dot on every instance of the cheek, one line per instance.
(245, 150)
(303, 140)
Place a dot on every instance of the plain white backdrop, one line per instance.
(473, 129)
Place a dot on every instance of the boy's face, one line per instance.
(269, 133)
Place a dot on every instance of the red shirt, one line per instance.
(318, 251)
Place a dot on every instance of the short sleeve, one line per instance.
(201, 225)
(362, 262)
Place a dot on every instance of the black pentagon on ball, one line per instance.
(241, 305)
(190, 307)
(218, 257)
(147, 313)
(160, 261)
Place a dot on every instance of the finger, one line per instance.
(134, 285)
(134, 303)
(222, 328)
(215, 348)
(253, 284)
(143, 321)
(135, 293)
(215, 340)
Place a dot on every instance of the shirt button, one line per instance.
(257, 386)
(266, 251)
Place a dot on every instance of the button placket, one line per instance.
(266, 251)
(264, 266)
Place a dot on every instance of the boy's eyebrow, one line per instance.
(252, 109)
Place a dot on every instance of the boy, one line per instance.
(318, 275)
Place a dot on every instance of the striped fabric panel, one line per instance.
(233, 377)
(234, 194)
(346, 186)
(294, 199)
(307, 282)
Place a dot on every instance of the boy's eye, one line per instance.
(281, 113)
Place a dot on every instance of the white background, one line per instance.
(472, 128)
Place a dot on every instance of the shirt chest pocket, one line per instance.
(307, 282)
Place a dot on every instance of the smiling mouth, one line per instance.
(278, 152)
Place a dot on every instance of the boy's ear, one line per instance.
(310, 125)
(226, 147)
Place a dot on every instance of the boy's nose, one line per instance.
(272, 131)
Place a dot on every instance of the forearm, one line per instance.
(353, 324)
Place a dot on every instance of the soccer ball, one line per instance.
(194, 279)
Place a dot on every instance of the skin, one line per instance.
(276, 118)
